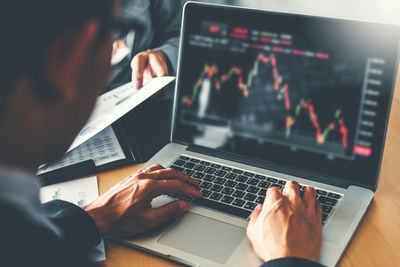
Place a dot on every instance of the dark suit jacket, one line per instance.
(61, 239)
(54, 234)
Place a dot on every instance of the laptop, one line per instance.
(263, 98)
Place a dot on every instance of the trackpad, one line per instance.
(204, 237)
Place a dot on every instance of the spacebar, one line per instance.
(223, 208)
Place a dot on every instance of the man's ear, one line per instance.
(66, 57)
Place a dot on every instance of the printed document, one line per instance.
(103, 148)
(116, 103)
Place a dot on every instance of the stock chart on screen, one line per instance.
(307, 89)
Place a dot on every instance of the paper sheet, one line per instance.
(114, 104)
(79, 192)
(103, 148)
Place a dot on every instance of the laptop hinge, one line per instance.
(271, 166)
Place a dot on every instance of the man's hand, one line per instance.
(125, 210)
(147, 65)
(287, 225)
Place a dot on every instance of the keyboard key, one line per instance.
(321, 192)
(220, 181)
(205, 185)
(230, 183)
(272, 180)
(253, 189)
(262, 192)
(184, 158)
(241, 186)
(227, 199)
(333, 195)
(224, 168)
(219, 206)
(209, 178)
(264, 184)
(199, 168)
(253, 181)
(261, 177)
(210, 170)
(250, 206)
(249, 174)
(238, 194)
(216, 196)
(260, 200)
(220, 173)
(206, 193)
(215, 166)
(324, 217)
(188, 172)
(205, 163)
(231, 176)
(250, 197)
(177, 168)
(198, 175)
(179, 163)
(281, 182)
(327, 201)
(195, 160)
(216, 188)
(326, 209)
(242, 179)
(238, 202)
(189, 165)
(237, 171)
(227, 191)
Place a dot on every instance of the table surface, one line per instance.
(375, 243)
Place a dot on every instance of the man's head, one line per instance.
(55, 59)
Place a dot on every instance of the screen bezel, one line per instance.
(339, 181)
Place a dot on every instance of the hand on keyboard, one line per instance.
(126, 209)
(287, 225)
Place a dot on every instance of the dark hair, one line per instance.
(28, 27)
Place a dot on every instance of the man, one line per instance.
(49, 79)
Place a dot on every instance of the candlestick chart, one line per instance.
(262, 103)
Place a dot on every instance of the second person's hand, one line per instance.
(147, 65)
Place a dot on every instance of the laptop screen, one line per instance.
(304, 92)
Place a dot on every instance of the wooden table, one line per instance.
(376, 242)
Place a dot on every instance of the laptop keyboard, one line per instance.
(237, 192)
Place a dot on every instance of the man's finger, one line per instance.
(164, 187)
(158, 65)
(254, 215)
(309, 200)
(138, 65)
(154, 167)
(273, 195)
(167, 212)
(318, 209)
(167, 174)
(292, 192)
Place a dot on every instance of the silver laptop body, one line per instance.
(250, 85)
